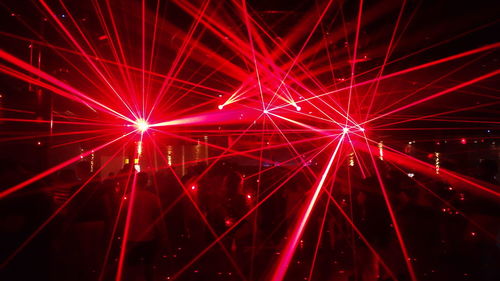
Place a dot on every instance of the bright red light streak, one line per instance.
(289, 250)
(394, 221)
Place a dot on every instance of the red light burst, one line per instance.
(294, 100)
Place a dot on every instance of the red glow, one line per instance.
(316, 107)
(229, 222)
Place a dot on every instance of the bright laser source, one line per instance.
(142, 125)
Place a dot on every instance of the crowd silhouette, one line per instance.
(74, 225)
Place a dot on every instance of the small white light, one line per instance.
(220, 106)
(346, 130)
(142, 125)
(298, 108)
(266, 111)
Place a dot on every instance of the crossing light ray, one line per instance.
(302, 133)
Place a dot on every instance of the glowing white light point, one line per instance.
(142, 125)
(346, 130)
(220, 106)
(298, 108)
(266, 111)
(362, 129)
